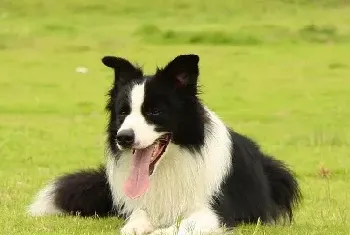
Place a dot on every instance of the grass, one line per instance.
(276, 70)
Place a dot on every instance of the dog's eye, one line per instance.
(154, 112)
(124, 111)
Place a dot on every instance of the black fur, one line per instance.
(125, 74)
(171, 101)
(84, 193)
(257, 187)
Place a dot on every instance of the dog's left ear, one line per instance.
(182, 71)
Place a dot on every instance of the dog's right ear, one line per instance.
(124, 71)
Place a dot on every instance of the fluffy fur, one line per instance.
(208, 177)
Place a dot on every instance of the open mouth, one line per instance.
(160, 146)
(143, 164)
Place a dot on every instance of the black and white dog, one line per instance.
(172, 164)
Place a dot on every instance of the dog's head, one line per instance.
(147, 113)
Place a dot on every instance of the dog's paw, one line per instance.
(139, 226)
(173, 230)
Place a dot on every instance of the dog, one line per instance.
(172, 165)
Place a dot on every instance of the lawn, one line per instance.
(277, 70)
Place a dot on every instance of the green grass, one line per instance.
(276, 70)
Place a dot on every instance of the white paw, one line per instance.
(173, 230)
(138, 225)
(136, 229)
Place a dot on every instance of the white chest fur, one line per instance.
(181, 183)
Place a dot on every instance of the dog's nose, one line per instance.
(125, 138)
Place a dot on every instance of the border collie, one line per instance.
(172, 165)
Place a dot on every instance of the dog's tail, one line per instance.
(84, 193)
(284, 187)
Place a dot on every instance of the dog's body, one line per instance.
(170, 158)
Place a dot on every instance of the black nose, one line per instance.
(125, 138)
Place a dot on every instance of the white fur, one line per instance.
(183, 183)
(44, 202)
(200, 222)
(145, 134)
(137, 224)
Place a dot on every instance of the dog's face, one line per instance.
(147, 113)
(145, 108)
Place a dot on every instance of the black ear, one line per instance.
(183, 70)
(123, 69)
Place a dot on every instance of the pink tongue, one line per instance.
(137, 183)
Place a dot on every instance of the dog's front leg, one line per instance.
(203, 221)
(137, 224)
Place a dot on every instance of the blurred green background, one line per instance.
(277, 70)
